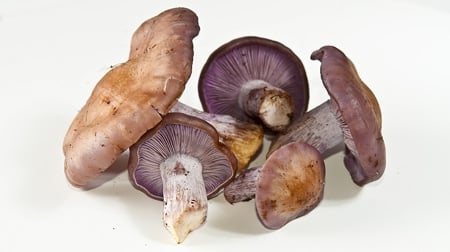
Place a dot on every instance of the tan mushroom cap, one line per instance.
(359, 112)
(132, 97)
(290, 184)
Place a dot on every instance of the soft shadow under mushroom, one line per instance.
(144, 214)
(238, 218)
(338, 185)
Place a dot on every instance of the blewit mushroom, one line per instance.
(132, 97)
(255, 79)
(350, 120)
(244, 139)
(181, 162)
(287, 186)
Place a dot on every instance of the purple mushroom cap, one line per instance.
(247, 59)
(182, 135)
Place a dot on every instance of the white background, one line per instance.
(52, 53)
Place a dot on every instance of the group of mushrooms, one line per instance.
(249, 88)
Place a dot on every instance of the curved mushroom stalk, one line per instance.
(244, 139)
(290, 184)
(255, 79)
(181, 162)
(350, 120)
(132, 97)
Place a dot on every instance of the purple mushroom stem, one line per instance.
(243, 187)
(319, 127)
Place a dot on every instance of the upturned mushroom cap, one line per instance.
(290, 184)
(180, 134)
(132, 97)
(248, 59)
(359, 113)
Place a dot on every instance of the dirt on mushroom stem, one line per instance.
(271, 106)
(185, 199)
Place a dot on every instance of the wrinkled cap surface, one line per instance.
(247, 59)
(359, 112)
(132, 97)
(290, 184)
(180, 135)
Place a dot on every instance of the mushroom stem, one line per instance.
(244, 139)
(243, 187)
(319, 127)
(273, 106)
(185, 198)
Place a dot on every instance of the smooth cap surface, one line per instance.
(291, 184)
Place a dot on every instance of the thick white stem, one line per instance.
(272, 105)
(185, 199)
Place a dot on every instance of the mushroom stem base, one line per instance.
(273, 106)
(185, 199)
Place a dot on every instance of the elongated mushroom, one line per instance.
(255, 79)
(132, 97)
(244, 139)
(349, 120)
(288, 185)
(181, 162)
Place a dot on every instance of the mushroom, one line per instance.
(350, 120)
(244, 139)
(255, 79)
(288, 185)
(132, 97)
(181, 162)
